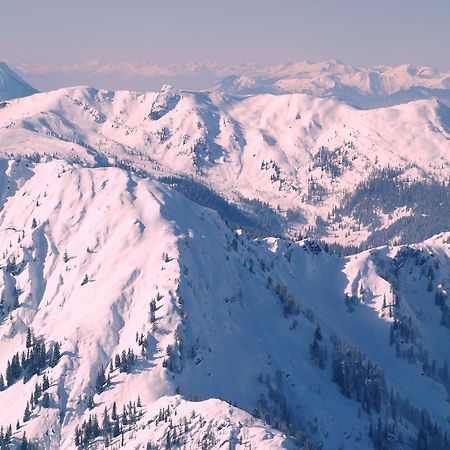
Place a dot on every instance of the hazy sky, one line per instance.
(361, 32)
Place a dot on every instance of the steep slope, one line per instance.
(67, 269)
(302, 155)
(12, 85)
(155, 300)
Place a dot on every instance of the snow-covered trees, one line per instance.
(125, 361)
(5, 437)
(32, 362)
(110, 426)
(364, 382)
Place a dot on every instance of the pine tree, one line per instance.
(116, 428)
(29, 341)
(421, 443)
(117, 362)
(46, 400)
(45, 383)
(37, 393)
(318, 333)
(106, 425)
(26, 413)
(33, 224)
(90, 402)
(114, 415)
(9, 375)
(124, 416)
(24, 442)
(100, 381)
(78, 437)
(56, 354)
(2, 383)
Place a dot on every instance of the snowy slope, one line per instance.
(295, 152)
(12, 85)
(103, 261)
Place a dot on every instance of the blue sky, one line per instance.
(360, 32)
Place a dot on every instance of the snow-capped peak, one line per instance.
(166, 100)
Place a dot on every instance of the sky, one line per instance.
(43, 37)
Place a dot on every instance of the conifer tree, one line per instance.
(56, 354)
(117, 362)
(45, 383)
(114, 415)
(318, 333)
(46, 400)
(100, 381)
(29, 341)
(37, 393)
(24, 441)
(26, 413)
(106, 425)
(90, 402)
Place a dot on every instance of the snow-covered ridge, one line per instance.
(156, 301)
(293, 151)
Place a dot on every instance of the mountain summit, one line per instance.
(12, 85)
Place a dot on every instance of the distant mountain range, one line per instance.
(361, 87)
(364, 88)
